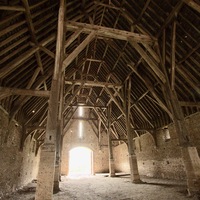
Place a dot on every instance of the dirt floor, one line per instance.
(102, 187)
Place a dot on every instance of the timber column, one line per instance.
(111, 159)
(57, 175)
(44, 189)
(190, 155)
(135, 177)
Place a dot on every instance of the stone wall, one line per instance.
(89, 140)
(17, 168)
(30, 162)
(160, 158)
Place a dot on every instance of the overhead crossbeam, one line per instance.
(92, 83)
(25, 92)
(108, 32)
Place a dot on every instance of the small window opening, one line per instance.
(80, 112)
(166, 136)
(80, 129)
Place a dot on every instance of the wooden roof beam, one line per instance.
(109, 32)
(148, 59)
(108, 6)
(16, 62)
(25, 92)
(193, 5)
(115, 101)
(143, 11)
(170, 17)
(189, 104)
(149, 85)
(78, 49)
(92, 83)
(12, 8)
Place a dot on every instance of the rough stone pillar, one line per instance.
(135, 177)
(192, 167)
(111, 160)
(111, 167)
(58, 150)
(44, 189)
(57, 164)
(56, 177)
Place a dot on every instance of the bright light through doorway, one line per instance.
(80, 162)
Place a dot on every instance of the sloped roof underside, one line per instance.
(27, 55)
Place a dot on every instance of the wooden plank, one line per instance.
(38, 4)
(189, 104)
(193, 5)
(173, 55)
(108, 6)
(31, 128)
(109, 32)
(150, 62)
(12, 8)
(171, 16)
(151, 89)
(78, 49)
(10, 17)
(181, 71)
(72, 37)
(11, 28)
(16, 62)
(115, 101)
(47, 51)
(92, 83)
(69, 101)
(143, 11)
(25, 92)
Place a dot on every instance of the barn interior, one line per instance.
(118, 79)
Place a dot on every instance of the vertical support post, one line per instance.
(59, 140)
(135, 177)
(44, 190)
(111, 159)
(173, 55)
(99, 133)
(189, 154)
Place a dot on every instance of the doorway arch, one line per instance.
(80, 161)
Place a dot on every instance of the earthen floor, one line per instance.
(102, 187)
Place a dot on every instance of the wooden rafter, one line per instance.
(108, 32)
(13, 8)
(193, 5)
(170, 17)
(76, 51)
(148, 59)
(23, 92)
(92, 83)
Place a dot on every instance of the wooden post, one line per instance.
(111, 159)
(189, 154)
(44, 190)
(59, 140)
(135, 177)
(99, 133)
(173, 55)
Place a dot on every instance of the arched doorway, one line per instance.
(80, 161)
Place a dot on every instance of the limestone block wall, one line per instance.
(160, 159)
(89, 140)
(14, 170)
